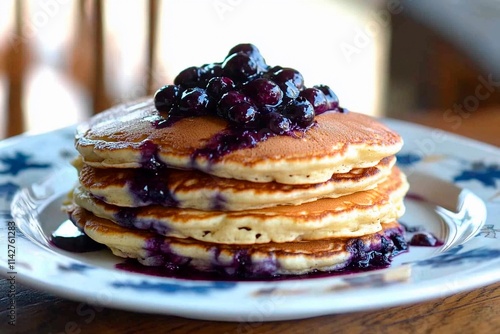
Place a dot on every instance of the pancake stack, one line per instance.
(321, 200)
(239, 169)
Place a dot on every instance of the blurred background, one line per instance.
(431, 62)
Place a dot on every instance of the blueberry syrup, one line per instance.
(149, 184)
(187, 273)
(149, 156)
(237, 138)
(70, 238)
(151, 187)
(126, 217)
(418, 236)
(425, 239)
(164, 263)
(228, 141)
(218, 203)
(231, 139)
(364, 257)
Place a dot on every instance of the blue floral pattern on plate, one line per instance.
(456, 256)
(486, 174)
(168, 288)
(408, 159)
(19, 162)
(422, 273)
(489, 231)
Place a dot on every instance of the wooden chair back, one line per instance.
(87, 63)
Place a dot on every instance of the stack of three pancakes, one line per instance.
(325, 199)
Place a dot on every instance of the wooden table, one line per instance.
(476, 311)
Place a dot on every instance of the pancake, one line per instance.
(294, 258)
(127, 136)
(197, 190)
(347, 216)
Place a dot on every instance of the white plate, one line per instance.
(458, 178)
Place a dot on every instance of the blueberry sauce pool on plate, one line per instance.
(418, 236)
(425, 239)
(70, 238)
(133, 266)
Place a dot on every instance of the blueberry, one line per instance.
(167, 97)
(287, 76)
(248, 138)
(263, 92)
(209, 71)
(299, 111)
(424, 239)
(240, 67)
(264, 110)
(194, 102)
(272, 70)
(290, 90)
(277, 123)
(247, 92)
(331, 97)
(228, 100)
(189, 77)
(243, 113)
(252, 51)
(218, 86)
(316, 98)
(246, 48)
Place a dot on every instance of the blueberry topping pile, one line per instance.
(247, 92)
